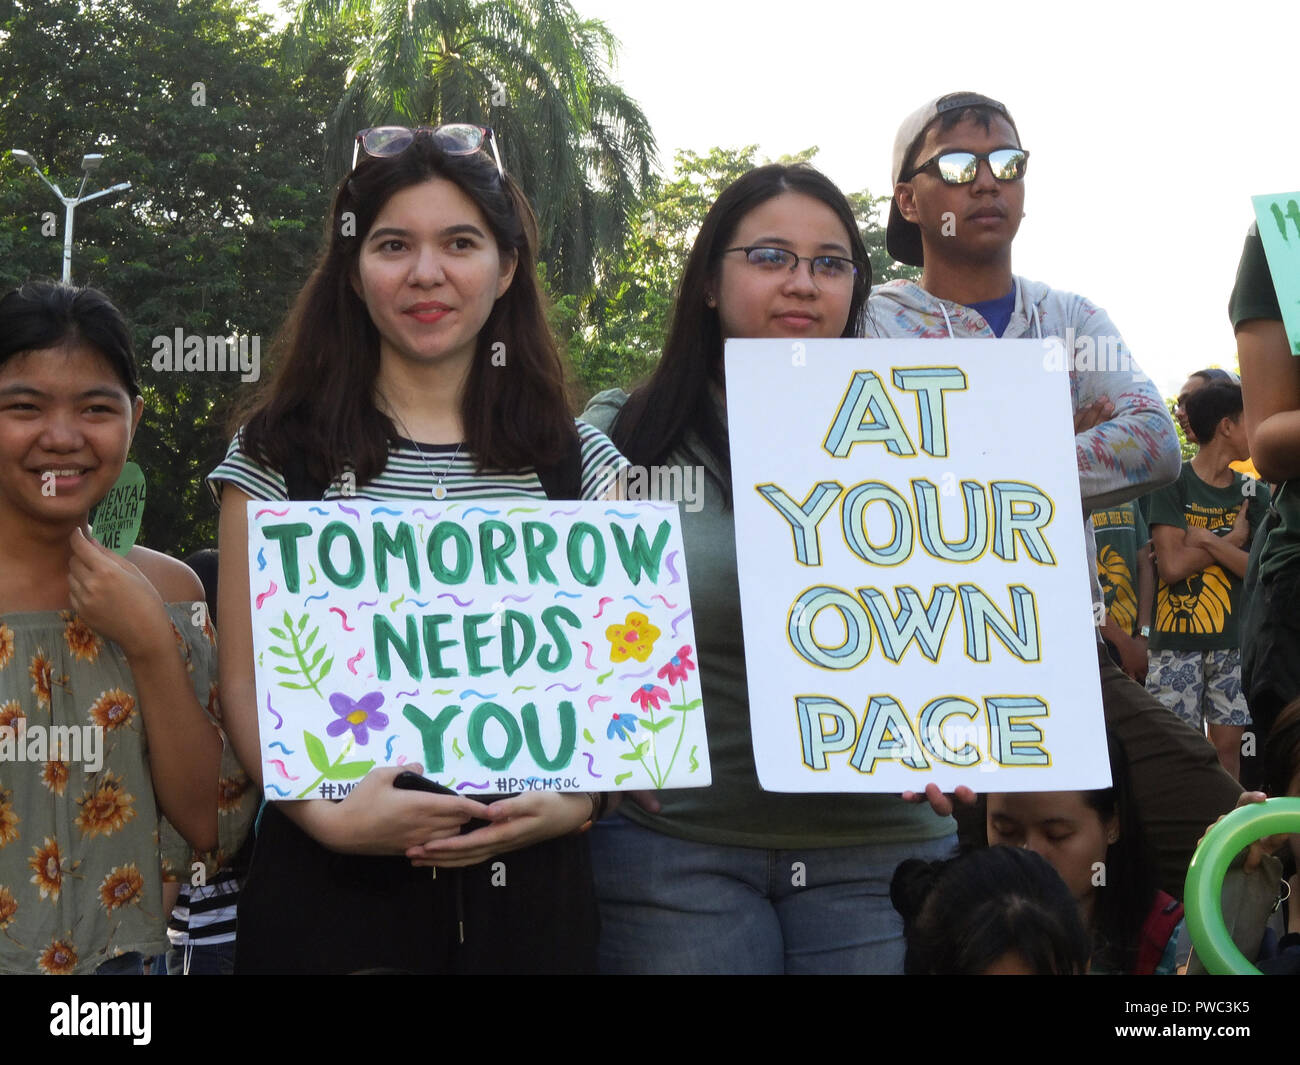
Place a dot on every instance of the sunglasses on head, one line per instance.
(961, 168)
(458, 138)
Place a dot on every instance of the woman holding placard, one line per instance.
(415, 365)
(107, 662)
(733, 878)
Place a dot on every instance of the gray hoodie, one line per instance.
(1133, 453)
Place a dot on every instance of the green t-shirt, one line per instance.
(1253, 296)
(735, 810)
(1200, 613)
(1120, 531)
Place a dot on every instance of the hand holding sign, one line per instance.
(115, 599)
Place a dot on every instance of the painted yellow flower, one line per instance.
(41, 670)
(6, 645)
(106, 809)
(10, 712)
(8, 819)
(123, 886)
(112, 709)
(214, 703)
(80, 637)
(59, 958)
(55, 776)
(230, 792)
(633, 639)
(8, 907)
(48, 866)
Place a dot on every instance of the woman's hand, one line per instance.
(1096, 412)
(378, 818)
(116, 599)
(516, 823)
(1256, 851)
(940, 803)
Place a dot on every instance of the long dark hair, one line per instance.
(961, 916)
(319, 406)
(46, 314)
(676, 401)
(1282, 750)
(1122, 903)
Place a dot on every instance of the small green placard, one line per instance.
(116, 521)
(1278, 216)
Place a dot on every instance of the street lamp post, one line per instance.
(89, 163)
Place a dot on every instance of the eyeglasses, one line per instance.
(961, 168)
(822, 267)
(458, 138)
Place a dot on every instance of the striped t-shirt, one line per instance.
(413, 471)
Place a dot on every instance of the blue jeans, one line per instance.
(668, 905)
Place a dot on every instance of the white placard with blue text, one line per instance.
(913, 573)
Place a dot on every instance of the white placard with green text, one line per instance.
(913, 572)
(508, 645)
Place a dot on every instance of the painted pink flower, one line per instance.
(678, 666)
(648, 695)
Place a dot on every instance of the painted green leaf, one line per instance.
(631, 756)
(587, 736)
(285, 669)
(685, 706)
(657, 726)
(278, 651)
(316, 752)
(302, 623)
(307, 646)
(349, 770)
(325, 668)
(288, 621)
(294, 687)
(320, 653)
(621, 777)
(279, 632)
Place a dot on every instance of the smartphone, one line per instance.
(409, 781)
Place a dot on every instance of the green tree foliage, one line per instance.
(614, 339)
(533, 71)
(222, 141)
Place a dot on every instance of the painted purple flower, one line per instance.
(359, 715)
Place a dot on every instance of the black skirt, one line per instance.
(304, 909)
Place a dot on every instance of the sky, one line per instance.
(1149, 124)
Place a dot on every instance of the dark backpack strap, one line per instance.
(564, 479)
(1156, 930)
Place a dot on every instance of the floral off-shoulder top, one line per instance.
(81, 862)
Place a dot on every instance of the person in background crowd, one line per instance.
(959, 193)
(997, 911)
(1127, 585)
(1270, 384)
(1200, 529)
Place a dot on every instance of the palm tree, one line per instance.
(532, 70)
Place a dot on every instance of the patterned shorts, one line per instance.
(1199, 686)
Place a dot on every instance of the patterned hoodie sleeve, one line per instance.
(1136, 451)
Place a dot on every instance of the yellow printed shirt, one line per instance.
(81, 862)
(1120, 531)
(1201, 613)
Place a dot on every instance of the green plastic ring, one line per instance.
(1203, 895)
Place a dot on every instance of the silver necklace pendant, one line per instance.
(439, 492)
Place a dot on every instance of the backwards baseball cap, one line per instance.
(903, 238)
